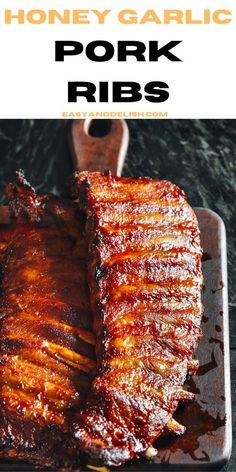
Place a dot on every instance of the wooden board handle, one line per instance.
(99, 145)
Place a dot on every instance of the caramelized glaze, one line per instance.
(46, 347)
(144, 273)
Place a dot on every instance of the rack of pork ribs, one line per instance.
(100, 318)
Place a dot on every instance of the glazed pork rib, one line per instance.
(145, 278)
(46, 343)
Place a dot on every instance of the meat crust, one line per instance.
(144, 273)
(46, 344)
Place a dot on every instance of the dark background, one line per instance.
(198, 155)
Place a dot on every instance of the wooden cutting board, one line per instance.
(206, 445)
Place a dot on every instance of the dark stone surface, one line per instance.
(198, 155)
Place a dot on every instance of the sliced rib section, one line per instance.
(46, 344)
(144, 273)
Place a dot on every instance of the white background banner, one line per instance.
(34, 85)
